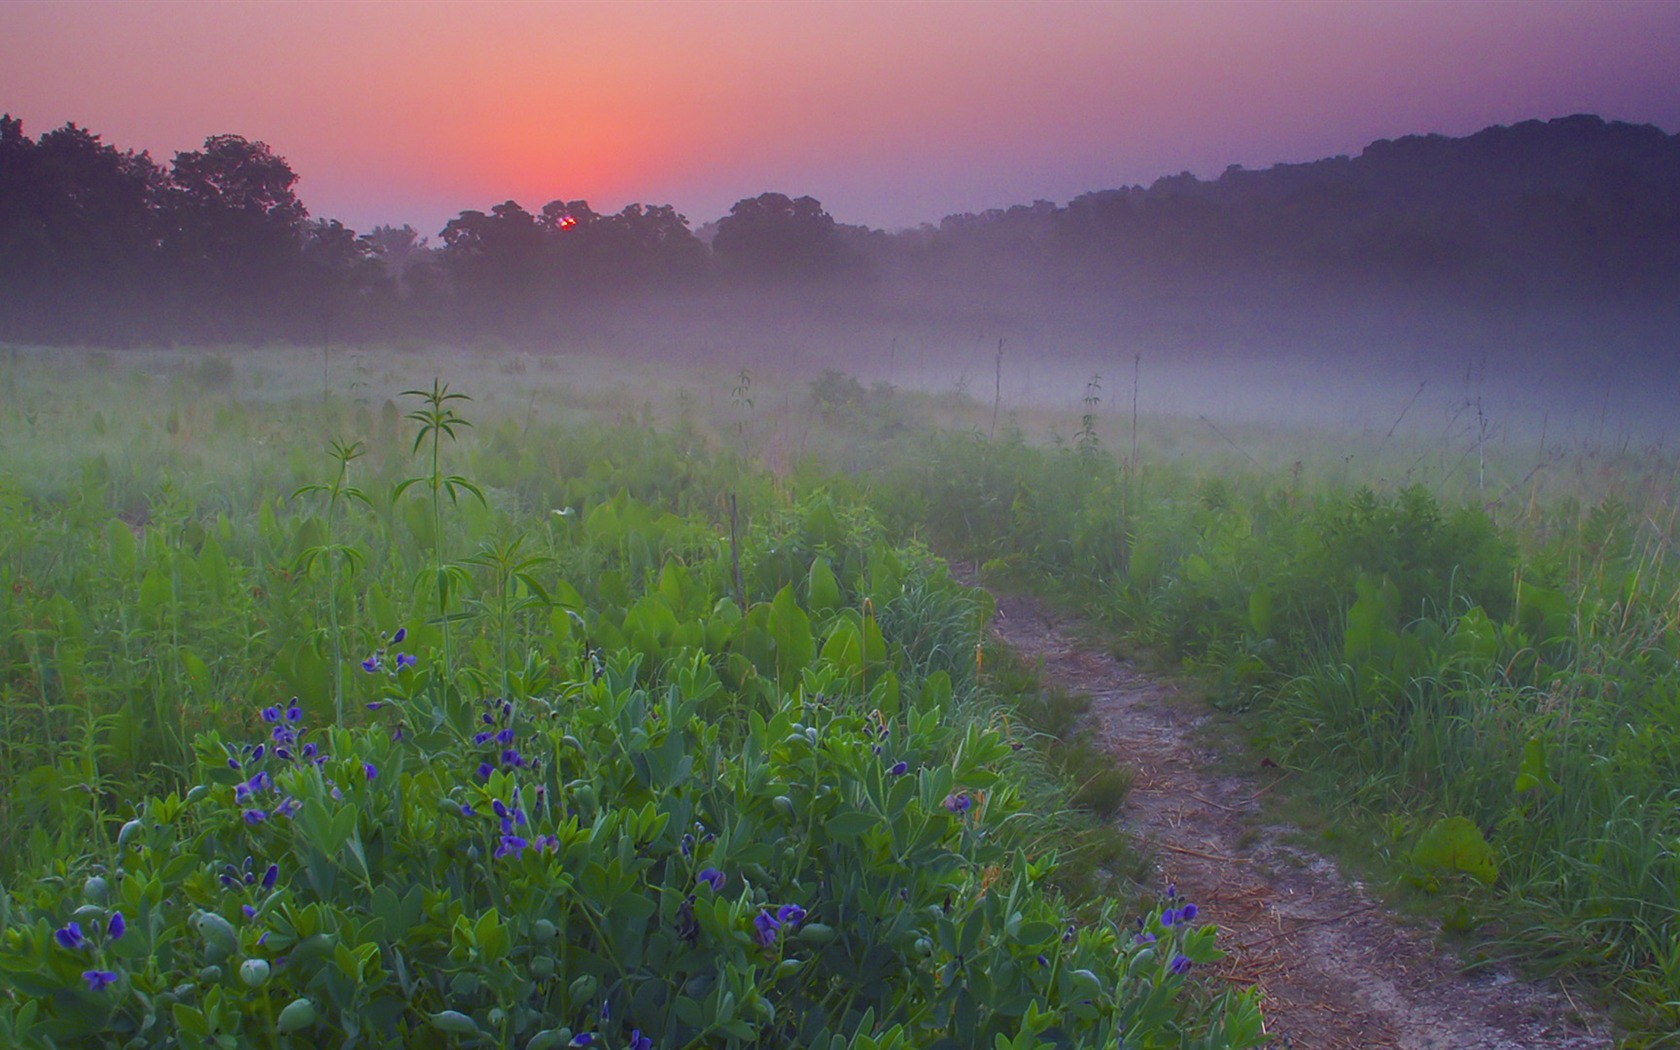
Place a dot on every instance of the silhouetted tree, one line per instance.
(772, 236)
(235, 234)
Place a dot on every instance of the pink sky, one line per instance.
(890, 113)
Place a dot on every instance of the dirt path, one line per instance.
(1336, 969)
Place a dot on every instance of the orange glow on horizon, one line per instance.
(890, 113)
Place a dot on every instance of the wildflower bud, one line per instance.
(454, 1022)
(96, 889)
(219, 937)
(299, 1013)
(254, 972)
(582, 990)
(816, 933)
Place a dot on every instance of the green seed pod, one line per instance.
(783, 804)
(816, 933)
(498, 1017)
(129, 833)
(88, 913)
(314, 946)
(454, 1022)
(547, 1039)
(572, 742)
(788, 967)
(582, 990)
(198, 791)
(1085, 984)
(254, 972)
(299, 1013)
(543, 931)
(924, 947)
(220, 940)
(211, 974)
(96, 889)
(542, 966)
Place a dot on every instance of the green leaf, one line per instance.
(1534, 771)
(850, 824)
(1456, 844)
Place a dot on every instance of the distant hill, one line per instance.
(1577, 208)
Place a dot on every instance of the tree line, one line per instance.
(106, 246)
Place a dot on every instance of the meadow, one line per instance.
(635, 707)
(389, 718)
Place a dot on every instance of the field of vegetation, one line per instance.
(379, 718)
(637, 711)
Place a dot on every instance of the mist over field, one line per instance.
(1532, 271)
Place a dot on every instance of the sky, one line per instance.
(890, 113)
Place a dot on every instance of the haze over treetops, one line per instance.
(891, 114)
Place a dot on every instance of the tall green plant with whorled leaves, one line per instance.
(335, 554)
(438, 420)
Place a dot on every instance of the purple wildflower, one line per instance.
(118, 927)
(404, 660)
(1180, 964)
(99, 980)
(1187, 913)
(371, 664)
(248, 911)
(271, 876)
(253, 816)
(790, 914)
(286, 808)
(505, 736)
(638, 1041)
(764, 929)
(958, 802)
(70, 936)
(294, 711)
(482, 738)
(511, 844)
(397, 639)
(271, 714)
(370, 769)
(713, 878)
(1169, 917)
(484, 771)
(899, 768)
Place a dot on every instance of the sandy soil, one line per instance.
(1335, 968)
